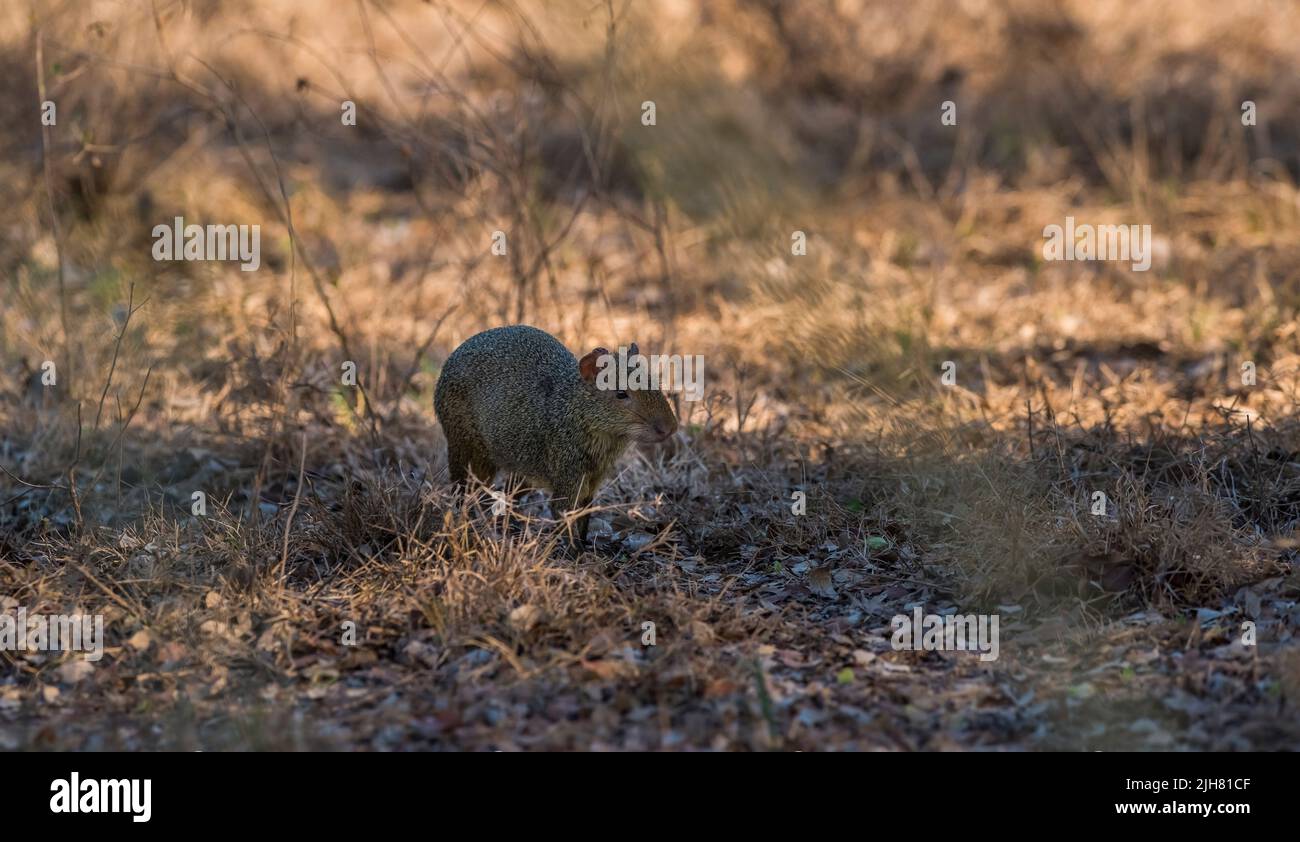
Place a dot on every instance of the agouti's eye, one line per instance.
(621, 396)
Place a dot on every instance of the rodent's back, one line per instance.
(508, 389)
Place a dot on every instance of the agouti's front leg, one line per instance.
(583, 522)
(570, 497)
(581, 526)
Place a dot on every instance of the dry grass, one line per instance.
(327, 504)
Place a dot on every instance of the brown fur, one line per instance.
(513, 398)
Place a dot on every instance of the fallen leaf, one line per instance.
(610, 669)
(266, 640)
(524, 617)
(214, 628)
(75, 670)
(634, 541)
(791, 658)
(1252, 603)
(140, 641)
(720, 687)
(819, 582)
(173, 651)
(702, 631)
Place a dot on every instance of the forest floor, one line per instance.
(915, 412)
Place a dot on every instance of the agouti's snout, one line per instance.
(514, 399)
(663, 431)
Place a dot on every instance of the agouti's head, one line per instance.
(625, 406)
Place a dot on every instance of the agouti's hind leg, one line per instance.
(457, 464)
(483, 467)
(462, 458)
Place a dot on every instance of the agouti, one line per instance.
(514, 399)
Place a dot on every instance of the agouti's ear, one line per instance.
(587, 365)
(632, 350)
